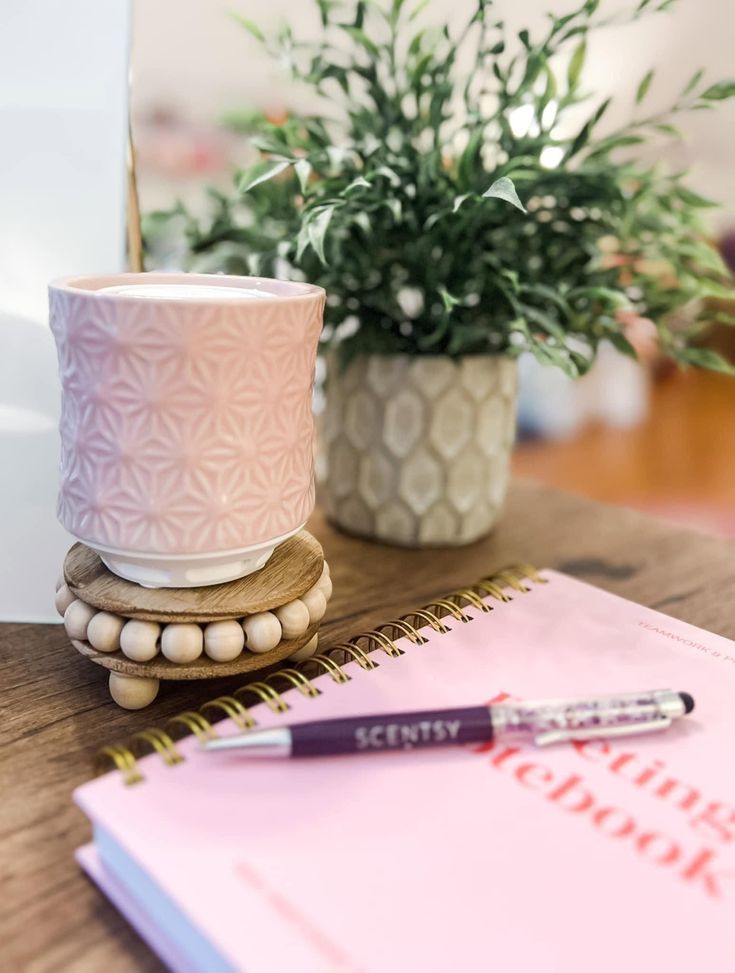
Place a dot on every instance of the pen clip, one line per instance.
(601, 732)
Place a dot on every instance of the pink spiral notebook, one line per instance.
(600, 855)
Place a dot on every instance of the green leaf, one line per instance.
(704, 358)
(580, 140)
(268, 145)
(458, 200)
(550, 89)
(359, 183)
(692, 198)
(250, 26)
(415, 44)
(703, 254)
(693, 81)
(261, 172)
(600, 111)
(576, 64)
(643, 87)
(504, 189)
(524, 38)
(394, 205)
(619, 341)
(317, 229)
(471, 158)
(303, 170)
(544, 321)
(607, 295)
(448, 300)
(325, 8)
(712, 288)
(395, 11)
(359, 14)
(390, 174)
(428, 341)
(666, 129)
(719, 91)
(361, 38)
(614, 142)
(420, 6)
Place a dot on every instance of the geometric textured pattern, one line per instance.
(185, 428)
(418, 448)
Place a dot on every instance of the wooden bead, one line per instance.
(76, 619)
(324, 584)
(60, 581)
(262, 631)
(316, 604)
(326, 573)
(139, 640)
(132, 692)
(306, 651)
(223, 641)
(182, 642)
(103, 632)
(294, 618)
(64, 598)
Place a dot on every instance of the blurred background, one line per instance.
(653, 437)
(649, 436)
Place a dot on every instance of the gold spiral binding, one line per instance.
(473, 598)
(331, 668)
(449, 606)
(492, 589)
(401, 625)
(266, 694)
(357, 655)
(298, 680)
(432, 620)
(530, 572)
(124, 757)
(513, 579)
(239, 714)
(161, 743)
(195, 722)
(380, 640)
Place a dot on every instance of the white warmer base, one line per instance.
(188, 570)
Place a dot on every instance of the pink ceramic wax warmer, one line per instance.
(186, 429)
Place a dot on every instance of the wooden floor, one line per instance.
(682, 458)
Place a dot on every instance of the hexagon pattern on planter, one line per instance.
(418, 448)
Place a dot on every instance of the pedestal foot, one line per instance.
(132, 692)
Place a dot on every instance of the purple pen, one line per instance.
(541, 721)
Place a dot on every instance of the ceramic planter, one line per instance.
(418, 448)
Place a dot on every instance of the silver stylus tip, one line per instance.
(275, 742)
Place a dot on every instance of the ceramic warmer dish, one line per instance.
(186, 429)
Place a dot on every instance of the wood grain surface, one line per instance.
(57, 712)
(201, 668)
(294, 567)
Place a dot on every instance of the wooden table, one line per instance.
(57, 712)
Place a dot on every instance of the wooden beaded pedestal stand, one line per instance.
(143, 635)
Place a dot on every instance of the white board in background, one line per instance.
(63, 131)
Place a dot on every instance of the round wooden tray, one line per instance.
(201, 668)
(294, 567)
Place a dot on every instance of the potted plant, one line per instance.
(456, 219)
